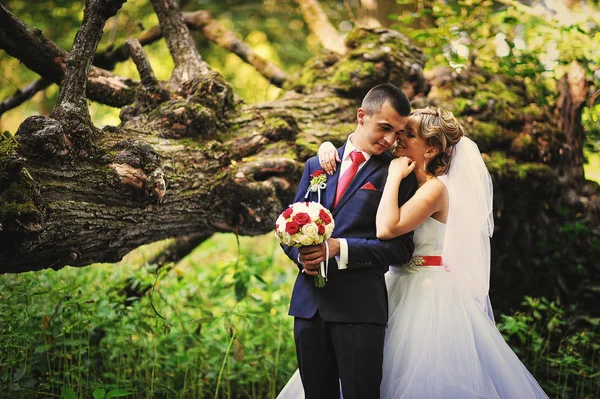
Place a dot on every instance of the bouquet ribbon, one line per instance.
(325, 265)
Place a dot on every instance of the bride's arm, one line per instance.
(328, 157)
(393, 221)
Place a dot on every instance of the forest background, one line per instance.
(214, 324)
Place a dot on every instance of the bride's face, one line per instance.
(409, 143)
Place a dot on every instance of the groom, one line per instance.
(339, 329)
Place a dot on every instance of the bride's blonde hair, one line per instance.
(440, 129)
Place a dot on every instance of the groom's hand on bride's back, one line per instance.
(312, 256)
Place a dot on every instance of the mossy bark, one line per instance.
(141, 182)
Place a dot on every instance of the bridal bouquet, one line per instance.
(304, 224)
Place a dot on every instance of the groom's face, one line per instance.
(378, 132)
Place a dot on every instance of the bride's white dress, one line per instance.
(438, 343)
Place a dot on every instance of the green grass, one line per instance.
(212, 326)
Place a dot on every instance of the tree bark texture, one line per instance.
(188, 63)
(190, 159)
(573, 92)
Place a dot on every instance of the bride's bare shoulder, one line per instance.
(434, 186)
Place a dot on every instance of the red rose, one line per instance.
(324, 217)
(302, 218)
(292, 227)
(287, 213)
(317, 173)
(321, 228)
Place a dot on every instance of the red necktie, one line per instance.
(357, 158)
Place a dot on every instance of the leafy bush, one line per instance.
(562, 350)
(214, 326)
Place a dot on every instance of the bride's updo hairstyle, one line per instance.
(440, 129)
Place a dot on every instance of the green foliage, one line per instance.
(510, 38)
(560, 348)
(214, 326)
(8, 143)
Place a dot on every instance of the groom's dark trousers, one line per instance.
(339, 329)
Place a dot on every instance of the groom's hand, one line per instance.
(312, 256)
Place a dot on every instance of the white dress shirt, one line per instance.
(342, 259)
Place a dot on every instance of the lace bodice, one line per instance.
(429, 238)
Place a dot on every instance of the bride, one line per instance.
(441, 341)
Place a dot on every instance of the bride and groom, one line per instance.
(425, 328)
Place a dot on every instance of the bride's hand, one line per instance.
(328, 157)
(401, 167)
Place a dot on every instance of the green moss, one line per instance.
(307, 76)
(351, 72)
(478, 80)
(275, 123)
(501, 166)
(487, 135)
(279, 148)
(306, 148)
(8, 143)
(459, 106)
(358, 37)
(375, 56)
(17, 202)
(483, 97)
(502, 92)
(533, 112)
(13, 211)
(17, 192)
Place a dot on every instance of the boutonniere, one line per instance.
(317, 183)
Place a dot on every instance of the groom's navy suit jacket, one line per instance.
(356, 294)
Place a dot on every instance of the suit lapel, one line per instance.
(332, 182)
(372, 165)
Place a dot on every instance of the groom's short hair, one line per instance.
(381, 94)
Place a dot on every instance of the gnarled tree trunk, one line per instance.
(189, 158)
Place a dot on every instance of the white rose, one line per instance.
(280, 221)
(305, 241)
(329, 230)
(285, 238)
(311, 231)
(313, 210)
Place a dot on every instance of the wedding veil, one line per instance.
(470, 223)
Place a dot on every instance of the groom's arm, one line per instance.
(364, 252)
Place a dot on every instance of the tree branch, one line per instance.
(201, 21)
(107, 59)
(46, 58)
(188, 63)
(143, 65)
(215, 32)
(320, 25)
(223, 37)
(23, 95)
(367, 14)
(72, 104)
(178, 248)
